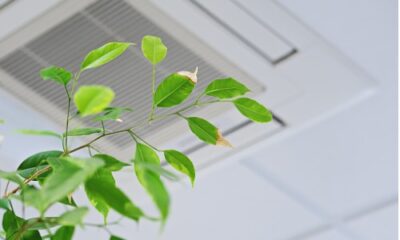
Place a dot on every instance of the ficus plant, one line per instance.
(49, 178)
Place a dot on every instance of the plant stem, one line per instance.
(74, 82)
(65, 139)
(153, 83)
(28, 180)
(102, 125)
(94, 140)
(143, 141)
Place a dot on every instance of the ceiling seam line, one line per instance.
(334, 222)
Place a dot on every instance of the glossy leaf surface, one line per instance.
(153, 49)
(226, 88)
(173, 90)
(253, 110)
(104, 54)
(181, 162)
(56, 74)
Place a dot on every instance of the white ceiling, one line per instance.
(335, 179)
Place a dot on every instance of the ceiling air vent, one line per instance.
(66, 44)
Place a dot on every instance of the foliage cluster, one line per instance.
(49, 178)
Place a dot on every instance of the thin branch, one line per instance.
(129, 130)
(153, 83)
(28, 180)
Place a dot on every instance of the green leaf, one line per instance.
(73, 217)
(112, 113)
(151, 181)
(253, 110)
(104, 54)
(2, 121)
(101, 189)
(157, 169)
(68, 173)
(93, 99)
(56, 74)
(204, 130)
(69, 200)
(153, 49)
(111, 163)
(64, 233)
(83, 131)
(4, 204)
(39, 133)
(207, 132)
(173, 90)
(11, 176)
(226, 88)
(113, 237)
(14, 228)
(180, 162)
(36, 162)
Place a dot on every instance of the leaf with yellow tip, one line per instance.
(221, 141)
(191, 75)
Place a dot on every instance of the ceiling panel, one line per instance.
(380, 224)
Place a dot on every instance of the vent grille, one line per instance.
(103, 21)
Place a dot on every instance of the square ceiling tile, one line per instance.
(380, 224)
(333, 164)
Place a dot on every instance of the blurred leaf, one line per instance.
(180, 162)
(36, 162)
(101, 189)
(150, 180)
(56, 74)
(253, 110)
(153, 49)
(11, 176)
(226, 88)
(93, 99)
(83, 131)
(173, 90)
(94, 197)
(73, 217)
(112, 113)
(64, 233)
(68, 201)
(104, 54)
(2, 121)
(111, 163)
(39, 133)
(15, 228)
(68, 173)
(113, 237)
(4, 204)
(157, 169)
